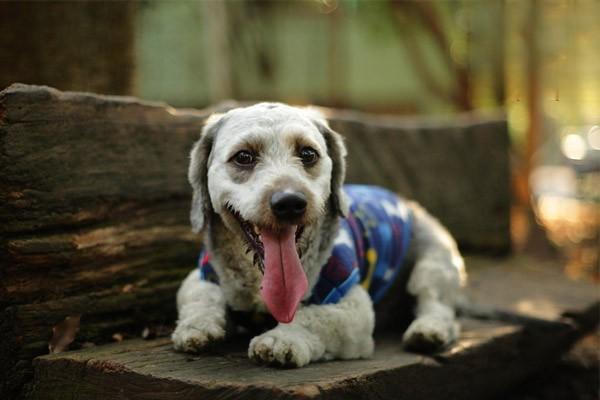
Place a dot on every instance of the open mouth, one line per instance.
(252, 234)
(276, 253)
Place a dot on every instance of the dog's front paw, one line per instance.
(282, 347)
(429, 334)
(198, 332)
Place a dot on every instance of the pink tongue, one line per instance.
(284, 282)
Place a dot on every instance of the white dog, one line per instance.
(283, 236)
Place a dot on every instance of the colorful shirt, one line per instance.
(369, 249)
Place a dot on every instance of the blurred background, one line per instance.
(536, 61)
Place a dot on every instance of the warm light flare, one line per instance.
(556, 208)
(573, 146)
(573, 225)
(593, 137)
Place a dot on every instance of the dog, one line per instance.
(286, 239)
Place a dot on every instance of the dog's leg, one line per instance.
(435, 281)
(318, 332)
(202, 317)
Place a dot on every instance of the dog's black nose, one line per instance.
(288, 205)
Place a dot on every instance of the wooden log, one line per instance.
(93, 217)
(459, 169)
(72, 159)
(94, 206)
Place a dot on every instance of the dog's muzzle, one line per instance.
(284, 281)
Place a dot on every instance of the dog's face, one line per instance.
(269, 171)
(259, 152)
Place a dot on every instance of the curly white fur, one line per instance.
(435, 281)
(201, 309)
(320, 332)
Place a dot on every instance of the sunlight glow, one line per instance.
(593, 137)
(555, 208)
(573, 146)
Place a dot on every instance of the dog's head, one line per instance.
(269, 171)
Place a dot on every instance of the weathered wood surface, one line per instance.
(528, 285)
(94, 206)
(93, 217)
(489, 358)
(152, 370)
(458, 169)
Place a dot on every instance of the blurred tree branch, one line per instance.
(426, 14)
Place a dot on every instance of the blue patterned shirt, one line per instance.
(369, 249)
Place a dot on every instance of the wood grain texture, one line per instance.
(94, 205)
(93, 217)
(488, 359)
(457, 169)
(484, 363)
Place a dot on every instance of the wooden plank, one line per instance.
(523, 284)
(488, 359)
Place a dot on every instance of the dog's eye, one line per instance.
(244, 158)
(308, 155)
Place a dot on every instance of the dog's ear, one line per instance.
(337, 152)
(197, 172)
